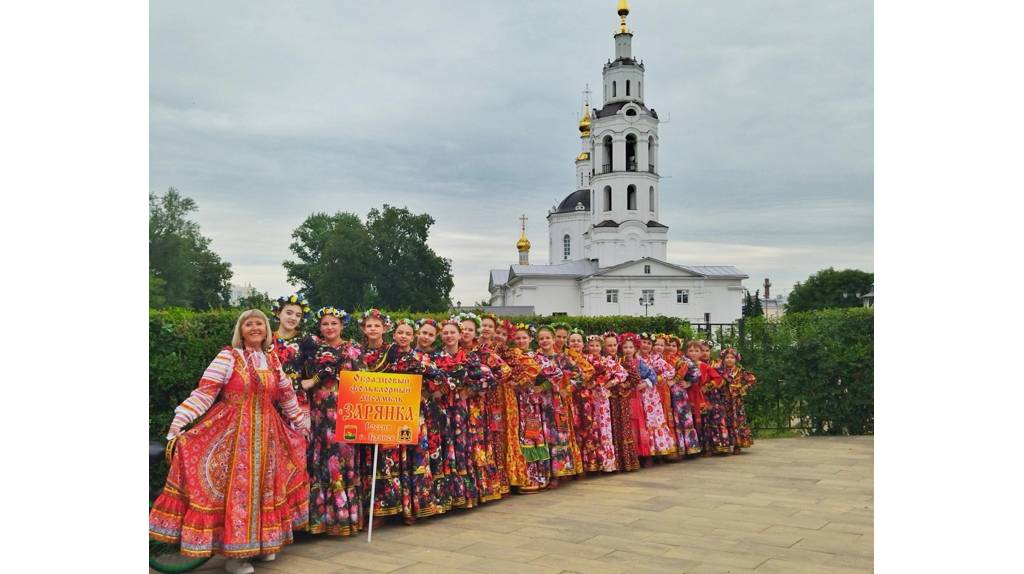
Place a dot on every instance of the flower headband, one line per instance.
(376, 314)
(427, 321)
(333, 312)
(594, 338)
(507, 325)
(631, 337)
(492, 317)
(468, 317)
(281, 302)
(406, 321)
(560, 325)
(577, 331)
(730, 351)
(607, 334)
(526, 327)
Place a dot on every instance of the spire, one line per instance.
(585, 125)
(623, 12)
(523, 245)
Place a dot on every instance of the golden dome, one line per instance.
(523, 244)
(623, 12)
(583, 155)
(585, 122)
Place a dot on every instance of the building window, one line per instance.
(627, 87)
(631, 197)
(566, 244)
(647, 297)
(613, 89)
(606, 162)
(631, 152)
(647, 269)
(682, 295)
(611, 295)
(640, 90)
(651, 198)
(607, 198)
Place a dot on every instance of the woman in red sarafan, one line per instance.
(237, 483)
(623, 431)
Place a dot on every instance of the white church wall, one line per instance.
(547, 295)
(572, 224)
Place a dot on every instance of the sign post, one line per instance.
(378, 408)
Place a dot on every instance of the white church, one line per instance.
(607, 244)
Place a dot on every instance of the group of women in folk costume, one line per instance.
(504, 408)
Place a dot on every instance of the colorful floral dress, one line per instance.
(739, 381)
(718, 430)
(294, 354)
(623, 430)
(467, 376)
(535, 421)
(524, 371)
(607, 374)
(480, 379)
(666, 372)
(237, 482)
(648, 415)
(562, 377)
(335, 469)
(495, 409)
(687, 437)
(422, 458)
(588, 435)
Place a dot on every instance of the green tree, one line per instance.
(752, 304)
(409, 273)
(253, 299)
(386, 262)
(184, 271)
(829, 289)
(335, 261)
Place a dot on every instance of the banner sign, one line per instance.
(378, 408)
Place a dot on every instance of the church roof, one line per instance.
(653, 223)
(717, 271)
(498, 277)
(576, 268)
(612, 109)
(607, 223)
(568, 204)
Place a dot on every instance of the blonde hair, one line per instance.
(236, 336)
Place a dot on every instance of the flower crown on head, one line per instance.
(730, 351)
(427, 321)
(333, 312)
(675, 338)
(561, 325)
(460, 317)
(507, 325)
(376, 314)
(526, 327)
(607, 334)
(281, 302)
(405, 321)
(577, 331)
(492, 317)
(632, 337)
(594, 338)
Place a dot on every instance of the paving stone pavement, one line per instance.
(801, 505)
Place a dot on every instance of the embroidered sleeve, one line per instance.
(201, 399)
(289, 404)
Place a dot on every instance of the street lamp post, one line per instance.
(646, 304)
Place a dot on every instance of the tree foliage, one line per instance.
(183, 270)
(752, 304)
(385, 262)
(829, 289)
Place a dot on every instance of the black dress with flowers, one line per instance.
(335, 468)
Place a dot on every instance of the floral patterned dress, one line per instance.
(607, 374)
(495, 409)
(648, 415)
(718, 433)
(687, 437)
(587, 432)
(335, 469)
(666, 372)
(237, 483)
(480, 380)
(294, 354)
(524, 371)
(466, 375)
(623, 430)
(739, 381)
(559, 373)
(536, 420)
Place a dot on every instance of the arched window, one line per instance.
(651, 203)
(627, 87)
(566, 245)
(607, 198)
(630, 112)
(631, 152)
(607, 161)
(631, 197)
(613, 89)
(640, 90)
(651, 154)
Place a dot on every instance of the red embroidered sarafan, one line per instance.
(237, 484)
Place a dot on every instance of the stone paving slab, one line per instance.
(786, 505)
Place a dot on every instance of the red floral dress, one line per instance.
(237, 483)
(607, 374)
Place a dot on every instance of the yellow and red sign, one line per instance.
(378, 408)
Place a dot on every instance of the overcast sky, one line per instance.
(265, 112)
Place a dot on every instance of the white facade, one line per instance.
(607, 247)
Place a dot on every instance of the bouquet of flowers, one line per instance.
(327, 363)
